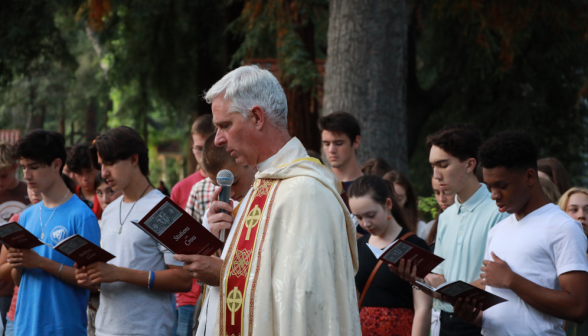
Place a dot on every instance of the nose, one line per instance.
(332, 148)
(104, 172)
(437, 175)
(219, 139)
(494, 195)
(581, 214)
(26, 174)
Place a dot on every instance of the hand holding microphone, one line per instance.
(225, 180)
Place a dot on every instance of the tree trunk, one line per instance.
(302, 106)
(366, 73)
(303, 118)
(91, 120)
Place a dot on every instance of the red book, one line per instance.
(82, 251)
(14, 235)
(401, 249)
(175, 229)
(454, 290)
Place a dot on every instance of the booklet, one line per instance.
(401, 249)
(76, 247)
(177, 231)
(82, 251)
(454, 290)
(15, 235)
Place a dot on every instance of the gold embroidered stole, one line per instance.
(239, 260)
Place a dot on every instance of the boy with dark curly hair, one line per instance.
(535, 258)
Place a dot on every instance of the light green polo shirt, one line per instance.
(461, 238)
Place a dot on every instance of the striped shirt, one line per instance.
(200, 198)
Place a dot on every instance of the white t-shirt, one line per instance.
(127, 309)
(423, 229)
(543, 245)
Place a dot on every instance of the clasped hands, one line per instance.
(24, 258)
(204, 268)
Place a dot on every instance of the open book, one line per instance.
(15, 235)
(401, 249)
(76, 247)
(454, 290)
(177, 231)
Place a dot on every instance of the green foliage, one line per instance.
(428, 207)
(511, 65)
(279, 29)
(29, 38)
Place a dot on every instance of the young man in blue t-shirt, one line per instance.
(49, 302)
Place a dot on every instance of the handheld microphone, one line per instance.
(225, 179)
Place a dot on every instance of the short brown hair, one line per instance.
(462, 141)
(214, 159)
(340, 122)
(78, 159)
(118, 144)
(6, 155)
(376, 166)
(556, 172)
(203, 125)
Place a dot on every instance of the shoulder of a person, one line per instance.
(151, 198)
(27, 212)
(75, 206)
(416, 240)
(306, 186)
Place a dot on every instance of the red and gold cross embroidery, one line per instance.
(239, 260)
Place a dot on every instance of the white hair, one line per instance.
(248, 86)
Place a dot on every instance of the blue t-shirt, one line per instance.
(47, 305)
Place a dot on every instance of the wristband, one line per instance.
(151, 280)
(59, 273)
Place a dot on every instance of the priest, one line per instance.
(290, 258)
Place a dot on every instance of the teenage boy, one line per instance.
(201, 129)
(341, 135)
(535, 258)
(215, 159)
(78, 162)
(464, 226)
(136, 288)
(50, 302)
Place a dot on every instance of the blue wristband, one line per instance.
(151, 280)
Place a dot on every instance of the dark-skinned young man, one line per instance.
(535, 258)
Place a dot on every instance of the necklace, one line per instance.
(120, 209)
(41, 219)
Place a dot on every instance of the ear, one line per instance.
(471, 165)
(56, 164)
(531, 176)
(356, 143)
(257, 117)
(134, 159)
(389, 204)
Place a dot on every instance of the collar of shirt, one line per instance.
(472, 203)
(290, 145)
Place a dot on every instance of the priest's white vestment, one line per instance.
(299, 276)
